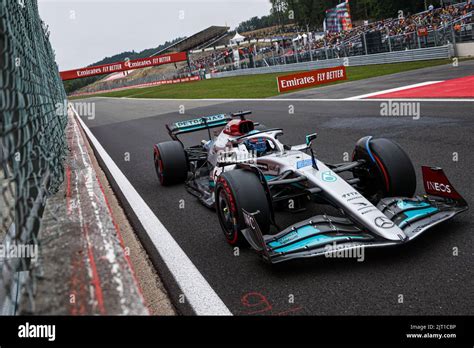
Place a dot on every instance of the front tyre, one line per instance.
(171, 164)
(236, 190)
(388, 171)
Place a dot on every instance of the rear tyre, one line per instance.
(388, 171)
(236, 190)
(171, 164)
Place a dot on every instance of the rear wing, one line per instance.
(197, 124)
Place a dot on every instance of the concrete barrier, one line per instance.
(83, 264)
(465, 49)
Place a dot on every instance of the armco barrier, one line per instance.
(141, 85)
(440, 52)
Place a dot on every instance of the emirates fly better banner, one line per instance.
(122, 66)
(311, 78)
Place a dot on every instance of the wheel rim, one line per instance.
(225, 215)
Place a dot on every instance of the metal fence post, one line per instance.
(295, 49)
(389, 43)
(365, 44)
(453, 34)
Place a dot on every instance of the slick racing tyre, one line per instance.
(236, 190)
(171, 164)
(388, 171)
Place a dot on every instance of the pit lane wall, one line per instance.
(440, 52)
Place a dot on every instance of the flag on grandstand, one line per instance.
(236, 55)
(338, 18)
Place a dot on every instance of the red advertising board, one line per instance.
(311, 78)
(122, 66)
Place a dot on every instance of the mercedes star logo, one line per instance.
(383, 222)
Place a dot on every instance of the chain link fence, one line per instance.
(33, 119)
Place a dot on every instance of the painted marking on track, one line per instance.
(259, 304)
(398, 89)
(197, 291)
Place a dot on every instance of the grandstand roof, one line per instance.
(196, 41)
(237, 37)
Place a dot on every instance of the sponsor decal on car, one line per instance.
(436, 183)
(383, 222)
(304, 163)
(440, 187)
(200, 121)
(328, 176)
(262, 166)
(288, 238)
(350, 196)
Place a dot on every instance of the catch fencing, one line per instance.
(442, 52)
(362, 48)
(33, 145)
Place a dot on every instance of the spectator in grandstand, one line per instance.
(402, 31)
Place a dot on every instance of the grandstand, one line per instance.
(203, 39)
(210, 50)
(289, 44)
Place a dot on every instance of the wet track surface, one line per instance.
(425, 272)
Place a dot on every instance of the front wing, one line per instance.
(326, 235)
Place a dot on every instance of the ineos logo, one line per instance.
(438, 187)
(383, 222)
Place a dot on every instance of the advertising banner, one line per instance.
(311, 78)
(122, 66)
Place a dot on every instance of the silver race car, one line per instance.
(246, 174)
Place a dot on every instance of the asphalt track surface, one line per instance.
(425, 272)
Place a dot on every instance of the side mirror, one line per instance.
(310, 138)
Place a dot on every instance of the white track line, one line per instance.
(197, 291)
(224, 100)
(363, 96)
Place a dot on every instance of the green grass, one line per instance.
(256, 86)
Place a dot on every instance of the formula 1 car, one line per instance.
(246, 174)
